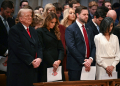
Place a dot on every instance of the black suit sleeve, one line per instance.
(39, 52)
(93, 48)
(17, 47)
(3, 49)
(61, 50)
(70, 42)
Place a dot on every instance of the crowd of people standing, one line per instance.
(72, 36)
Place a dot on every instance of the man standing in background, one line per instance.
(6, 10)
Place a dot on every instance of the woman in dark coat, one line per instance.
(53, 51)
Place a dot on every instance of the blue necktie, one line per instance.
(6, 25)
(98, 28)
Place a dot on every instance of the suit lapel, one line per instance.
(79, 31)
(3, 26)
(94, 27)
(25, 33)
(49, 33)
(88, 33)
(32, 34)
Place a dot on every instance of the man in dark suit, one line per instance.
(92, 9)
(95, 22)
(80, 44)
(25, 52)
(6, 9)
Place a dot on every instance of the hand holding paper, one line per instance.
(56, 63)
(88, 75)
(54, 76)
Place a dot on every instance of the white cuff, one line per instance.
(6, 53)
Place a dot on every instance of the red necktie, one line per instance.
(28, 32)
(30, 37)
(86, 41)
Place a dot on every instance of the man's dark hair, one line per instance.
(37, 8)
(105, 25)
(105, 2)
(100, 13)
(12, 3)
(6, 4)
(58, 6)
(80, 8)
(115, 5)
(71, 2)
(22, 2)
(104, 8)
(64, 5)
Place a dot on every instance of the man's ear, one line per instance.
(88, 8)
(77, 15)
(1, 9)
(94, 16)
(20, 19)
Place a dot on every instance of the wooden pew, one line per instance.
(76, 83)
(115, 82)
(2, 80)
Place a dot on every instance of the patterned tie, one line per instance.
(86, 41)
(28, 32)
(6, 26)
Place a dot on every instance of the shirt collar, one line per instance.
(94, 23)
(79, 24)
(2, 18)
(25, 27)
(91, 15)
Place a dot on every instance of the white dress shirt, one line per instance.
(25, 27)
(81, 29)
(96, 26)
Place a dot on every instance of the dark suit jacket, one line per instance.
(117, 33)
(93, 27)
(11, 21)
(118, 13)
(52, 50)
(76, 46)
(89, 17)
(3, 37)
(22, 51)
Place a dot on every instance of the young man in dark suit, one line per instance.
(25, 52)
(80, 44)
(95, 22)
(92, 9)
(6, 9)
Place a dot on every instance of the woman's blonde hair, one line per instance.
(65, 17)
(47, 7)
(47, 20)
(37, 19)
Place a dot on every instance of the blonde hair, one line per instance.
(65, 17)
(37, 19)
(92, 3)
(47, 7)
